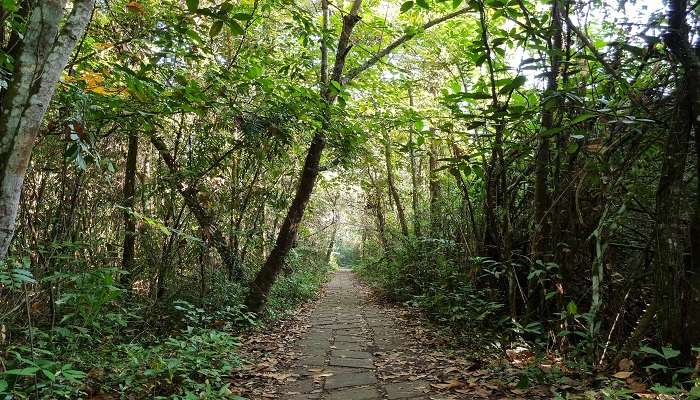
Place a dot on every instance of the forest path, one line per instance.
(345, 353)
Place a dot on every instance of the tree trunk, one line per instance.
(129, 191)
(414, 178)
(262, 284)
(331, 242)
(670, 235)
(266, 277)
(189, 193)
(375, 203)
(260, 288)
(494, 170)
(467, 207)
(540, 237)
(678, 293)
(400, 215)
(434, 189)
(42, 56)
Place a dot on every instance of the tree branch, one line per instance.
(352, 74)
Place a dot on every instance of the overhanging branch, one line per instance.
(352, 74)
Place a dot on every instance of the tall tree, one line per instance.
(39, 61)
(542, 158)
(265, 278)
(400, 213)
(678, 283)
(415, 186)
(129, 191)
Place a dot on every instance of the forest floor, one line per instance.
(348, 346)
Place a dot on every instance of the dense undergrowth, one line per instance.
(434, 277)
(98, 340)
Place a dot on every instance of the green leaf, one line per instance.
(3, 386)
(582, 117)
(49, 374)
(659, 388)
(572, 308)
(335, 85)
(254, 72)
(419, 125)
(547, 133)
(29, 371)
(242, 16)
(456, 3)
(10, 6)
(192, 5)
(73, 375)
(235, 27)
(480, 60)
(423, 4)
(572, 148)
(515, 83)
(649, 350)
(524, 382)
(216, 28)
(670, 353)
(407, 6)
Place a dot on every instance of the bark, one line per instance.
(677, 292)
(129, 191)
(494, 197)
(540, 238)
(206, 221)
(434, 189)
(331, 242)
(375, 203)
(400, 214)
(42, 56)
(467, 206)
(262, 284)
(414, 178)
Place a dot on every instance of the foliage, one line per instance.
(419, 274)
(190, 365)
(522, 164)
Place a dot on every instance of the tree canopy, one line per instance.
(521, 166)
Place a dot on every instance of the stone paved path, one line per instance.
(337, 361)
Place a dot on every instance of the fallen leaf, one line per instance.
(452, 384)
(636, 386)
(625, 364)
(623, 374)
(135, 6)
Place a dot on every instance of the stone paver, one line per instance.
(345, 331)
(352, 362)
(349, 380)
(350, 354)
(363, 393)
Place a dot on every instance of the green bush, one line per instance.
(420, 274)
(194, 363)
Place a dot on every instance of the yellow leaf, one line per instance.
(451, 384)
(100, 90)
(135, 6)
(623, 374)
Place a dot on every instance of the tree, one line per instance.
(262, 284)
(39, 61)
